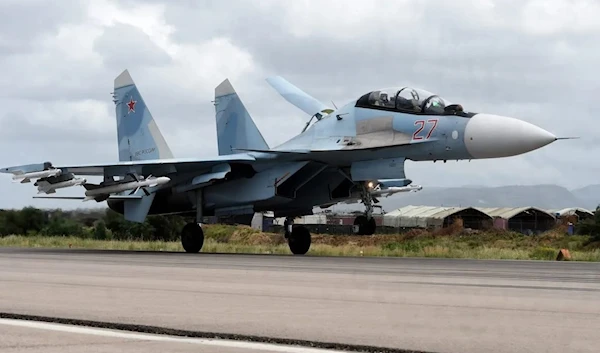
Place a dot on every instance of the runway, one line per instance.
(432, 305)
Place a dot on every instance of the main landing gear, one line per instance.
(365, 224)
(298, 237)
(192, 235)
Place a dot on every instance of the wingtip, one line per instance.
(224, 88)
(124, 79)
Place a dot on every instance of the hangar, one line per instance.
(436, 217)
(568, 213)
(521, 219)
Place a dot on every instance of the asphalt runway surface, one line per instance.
(432, 305)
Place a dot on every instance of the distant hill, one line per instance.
(589, 195)
(542, 196)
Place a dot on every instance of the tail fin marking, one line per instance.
(138, 135)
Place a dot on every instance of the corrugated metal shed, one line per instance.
(420, 216)
(510, 212)
(528, 220)
(571, 211)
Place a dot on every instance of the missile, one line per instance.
(395, 189)
(36, 175)
(96, 192)
(48, 188)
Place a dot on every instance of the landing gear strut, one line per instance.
(298, 237)
(365, 224)
(192, 235)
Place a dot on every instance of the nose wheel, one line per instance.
(365, 224)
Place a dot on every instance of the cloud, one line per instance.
(23, 22)
(123, 44)
(534, 60)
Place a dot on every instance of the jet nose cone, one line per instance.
(492, 136)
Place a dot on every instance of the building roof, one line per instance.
(510, 212)
(421, 216)
(426, 211)
(569, 211)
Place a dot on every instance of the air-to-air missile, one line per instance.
(26, 177)
(93, 191)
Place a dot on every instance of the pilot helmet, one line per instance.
(384, 97)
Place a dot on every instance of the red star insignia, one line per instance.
(131, 105)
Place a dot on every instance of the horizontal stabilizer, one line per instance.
(112, 197)
(137, 210)
(297, 97)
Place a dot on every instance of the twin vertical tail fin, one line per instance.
(235, 127)
(139, 138)
(138, 135)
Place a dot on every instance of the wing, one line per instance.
(299, 98)
(50, 177)
(157, 167)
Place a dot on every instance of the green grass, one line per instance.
(445, 243)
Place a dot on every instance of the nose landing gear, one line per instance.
(365, 224)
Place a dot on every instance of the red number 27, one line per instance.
(421, 125)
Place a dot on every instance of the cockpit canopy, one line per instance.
(410, 100)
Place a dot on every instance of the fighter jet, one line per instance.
(354, 153)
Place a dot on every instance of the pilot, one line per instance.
(385, 100)
(403, 103)
(415, 105)
(375, 98)
(455, 109)
(410, 104)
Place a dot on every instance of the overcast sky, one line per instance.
(533, 60)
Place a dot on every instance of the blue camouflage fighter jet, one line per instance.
(352, 154)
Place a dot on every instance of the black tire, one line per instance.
(365, 226)
(299, 241)
(370, 227)
(192, 238)
(360, 221)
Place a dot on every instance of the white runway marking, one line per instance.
(256, 346)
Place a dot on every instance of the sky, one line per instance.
(532, 60)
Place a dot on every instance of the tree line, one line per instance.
(590, 226)
(106, 224)
(101, 224)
